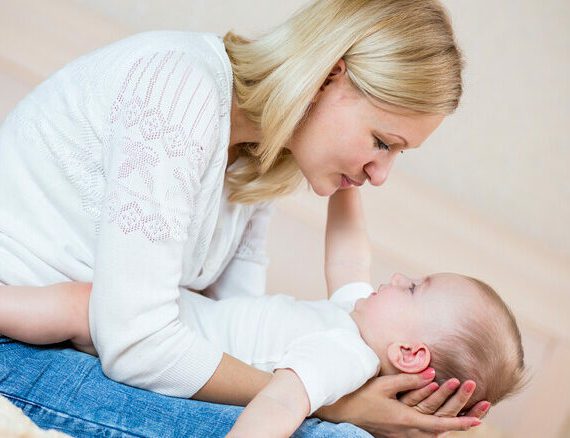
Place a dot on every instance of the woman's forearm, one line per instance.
(234, 382)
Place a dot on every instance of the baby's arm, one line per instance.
(276, 411)
(47, 315)
(347, 247)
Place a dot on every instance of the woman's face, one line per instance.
(346, 139)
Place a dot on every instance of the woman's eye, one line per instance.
(381, 145)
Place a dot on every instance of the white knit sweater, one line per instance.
(112, 171)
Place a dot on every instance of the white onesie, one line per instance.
(317, 339)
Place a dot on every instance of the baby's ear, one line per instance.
(409, 357)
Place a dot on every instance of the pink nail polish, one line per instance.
(485, 406)
(453, 384)
(469, 386)
(433, 386)
(428, 374)
(475, 423)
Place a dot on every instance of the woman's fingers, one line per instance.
(438, 425)
(412, 398)
(455, 403)
(392, 385)
(479, 410)
(435, 401)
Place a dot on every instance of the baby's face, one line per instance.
(415, 309)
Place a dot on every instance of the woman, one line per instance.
(145, 169)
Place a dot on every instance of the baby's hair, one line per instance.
(486, 348)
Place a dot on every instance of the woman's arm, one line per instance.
(162, 137)
(234, 382)
(347, 247)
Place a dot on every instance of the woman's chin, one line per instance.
(324, 191)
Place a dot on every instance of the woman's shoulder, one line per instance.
(205, 51)
(184, 77)
(207, 47)
(153, 60)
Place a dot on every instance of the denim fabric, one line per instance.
(63, 389)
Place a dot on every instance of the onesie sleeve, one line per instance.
(163, 134)
(246, 272)
(331, 364)
(350, 292)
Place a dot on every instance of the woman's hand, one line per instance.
(375, 408)
(445, 401)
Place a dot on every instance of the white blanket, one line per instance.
(15, 424)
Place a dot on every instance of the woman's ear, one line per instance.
(409, 358)
(338, 70)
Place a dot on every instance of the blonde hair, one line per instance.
(487, 350)
(400, 52)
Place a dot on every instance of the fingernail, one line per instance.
(433, 386)
(453, 384)
(475, 423)
(428, 374)
(469, 386)
(485, 407)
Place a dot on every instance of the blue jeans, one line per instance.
(63, 389)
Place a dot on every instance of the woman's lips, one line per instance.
(345, 182)
(348, 182)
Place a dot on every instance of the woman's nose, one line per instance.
(379, 169)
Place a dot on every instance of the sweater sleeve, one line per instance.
(163, 134)
(246, 273)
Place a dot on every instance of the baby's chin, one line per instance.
(387, 369)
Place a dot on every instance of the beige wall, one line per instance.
(486, 195)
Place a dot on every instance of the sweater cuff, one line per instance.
(192, 371)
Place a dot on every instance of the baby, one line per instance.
(321, 350)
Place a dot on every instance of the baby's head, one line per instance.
(456, 324)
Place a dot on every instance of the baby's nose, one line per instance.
(400, 280)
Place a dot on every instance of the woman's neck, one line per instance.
(242, 129)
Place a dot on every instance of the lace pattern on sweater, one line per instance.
(253, 243)
(163, 131)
